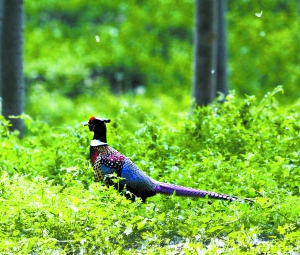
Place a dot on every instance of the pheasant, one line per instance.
(108, 164)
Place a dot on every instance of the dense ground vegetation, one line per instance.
(244, 147)
(248, 146)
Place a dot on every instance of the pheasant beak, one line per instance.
(91, 126)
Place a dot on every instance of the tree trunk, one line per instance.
(221, 72)
(204, 82)
(12, 62)
(299, 34)
(1, 19)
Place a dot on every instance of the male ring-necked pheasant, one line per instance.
(107, 161)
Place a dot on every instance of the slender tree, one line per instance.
(204, 52)
(1, 18)
(12, 61)
(299, 34)
(210, 51)
(221, 69)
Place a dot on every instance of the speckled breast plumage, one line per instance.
(106, 161)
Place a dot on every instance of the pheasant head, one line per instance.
(98, 126)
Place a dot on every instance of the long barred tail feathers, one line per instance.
(169, 189)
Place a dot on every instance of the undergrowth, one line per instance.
(244, 147)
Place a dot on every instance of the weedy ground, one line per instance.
(246, 147)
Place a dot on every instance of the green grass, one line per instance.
(244, 147)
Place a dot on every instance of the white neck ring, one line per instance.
(97, 143)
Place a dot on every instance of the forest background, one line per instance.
(148, 48)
